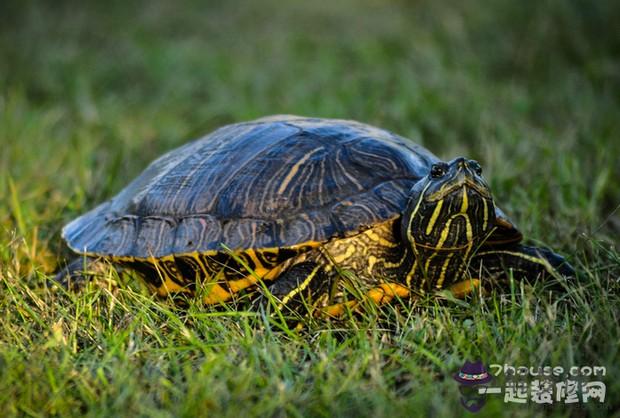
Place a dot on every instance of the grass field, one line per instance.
(90, 94)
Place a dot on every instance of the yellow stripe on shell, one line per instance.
(295, 169)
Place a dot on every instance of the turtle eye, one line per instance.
(439, 170)
(475, 165)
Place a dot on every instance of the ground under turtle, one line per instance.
(285, 203)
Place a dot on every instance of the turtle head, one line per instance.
(449, 209)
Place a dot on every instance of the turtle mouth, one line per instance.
(464, 182)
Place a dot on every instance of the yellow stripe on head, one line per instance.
(415, 212)
(434, 216)
(465, 202)
(444, 233)
(444, 269)
(485, 208)
(468, 229)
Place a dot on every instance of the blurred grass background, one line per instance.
(90, 92)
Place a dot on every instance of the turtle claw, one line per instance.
(464, 288)
(524, 262)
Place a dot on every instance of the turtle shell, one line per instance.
(274, 182)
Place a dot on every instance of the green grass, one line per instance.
(90, 94)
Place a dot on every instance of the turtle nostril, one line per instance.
(461, 163)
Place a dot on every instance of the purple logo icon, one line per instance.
(470, 378)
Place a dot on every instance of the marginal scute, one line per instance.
(153, 237)
(192, 231)
(122, 237)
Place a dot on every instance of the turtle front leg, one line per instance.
(525, 262)
(300, 286)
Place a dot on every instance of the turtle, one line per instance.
(313, 212)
